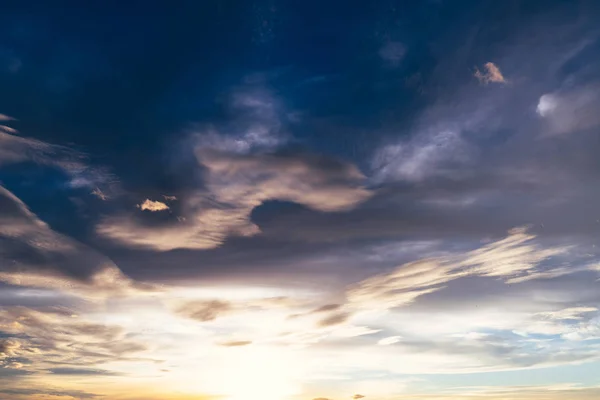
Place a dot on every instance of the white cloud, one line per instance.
(570, 111)
(422, 156)
(389, 340)
(509, 258)
(547, 105)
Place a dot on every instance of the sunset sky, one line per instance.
(300, 200)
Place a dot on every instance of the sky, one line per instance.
(300, 200)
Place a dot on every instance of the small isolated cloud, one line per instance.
(4, 117)
(169, 198)
(492, 74)
(153, 206)
(357, 396)
(547, 105)
(99, 194)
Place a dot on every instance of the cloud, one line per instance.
(492, 74)
(570, 111)
(76, 394)
(8, 348)
(334, 319)
(18, 149)
(81, 371)
(64, 344)
(358, 396)
(389, 340)
(422, 156)
(153, 206)
(244, 166)
(235, 343)
(236, 185)
(326, 307)
(32, 254)
(205, 310)
(99, 194)
(512, 257)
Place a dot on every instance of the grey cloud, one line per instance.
(210, 310)
(77, 394)
(35, 255)
(205, 310)
(58, 341)
(327, 307)
(81, 371)
(334, 319)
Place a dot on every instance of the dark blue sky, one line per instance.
(426, 159)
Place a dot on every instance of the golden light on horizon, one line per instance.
(255, 373)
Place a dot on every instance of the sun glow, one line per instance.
(256, 373)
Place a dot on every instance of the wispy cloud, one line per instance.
(243, 172)
(514, 256)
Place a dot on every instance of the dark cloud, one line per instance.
(77, 394)
(81, 371)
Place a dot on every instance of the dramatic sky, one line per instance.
(298, 200)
